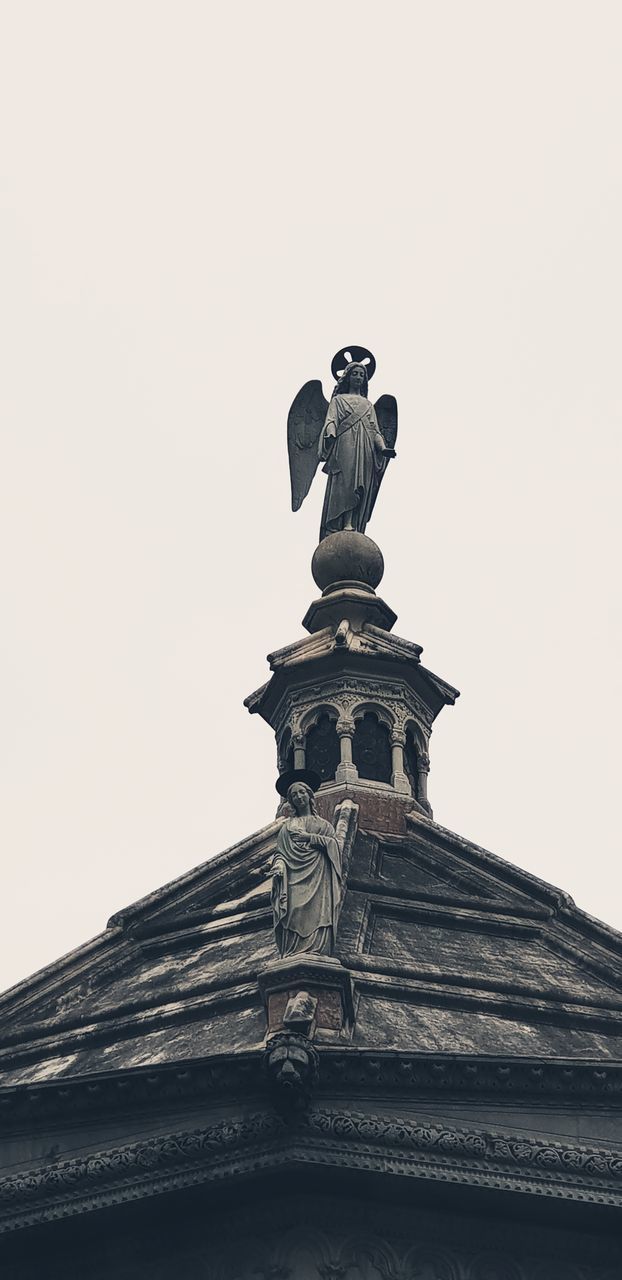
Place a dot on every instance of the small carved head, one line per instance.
(292, 1068)
(300, 1012)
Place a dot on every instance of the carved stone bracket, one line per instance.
(291, 1065)
(322, 977)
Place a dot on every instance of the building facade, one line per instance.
(434, 1091)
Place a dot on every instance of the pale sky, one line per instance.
(199, 204)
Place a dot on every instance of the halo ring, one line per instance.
(352, 355)
(288, 779)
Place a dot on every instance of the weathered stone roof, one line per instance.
(451, 951)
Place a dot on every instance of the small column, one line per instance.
(346, 769)
(399, 779)
(423, 769)
(298, 743)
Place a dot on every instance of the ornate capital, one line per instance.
(398, 738)
(345, 727)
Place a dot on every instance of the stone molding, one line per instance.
(345, 694)
(343, 1069)
(326, 1137)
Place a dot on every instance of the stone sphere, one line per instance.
(347, 557)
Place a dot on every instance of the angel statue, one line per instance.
(352, 437)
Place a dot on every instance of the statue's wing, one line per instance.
(386, 413)
(304, 424)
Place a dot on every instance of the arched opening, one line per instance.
(371, 749)
(323, 751)
(286, 753)
(411, 767)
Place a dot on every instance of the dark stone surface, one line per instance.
(315, 1233)
(322, 748)
(371, 749)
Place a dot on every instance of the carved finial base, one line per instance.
(349, 557)
(348, 566)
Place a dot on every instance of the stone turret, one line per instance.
(352, 701)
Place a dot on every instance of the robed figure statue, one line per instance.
(352, 437)
(306, 878)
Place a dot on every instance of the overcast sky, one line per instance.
(200, 203)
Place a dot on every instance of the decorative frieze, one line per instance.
(323, 1136)
(346, 700)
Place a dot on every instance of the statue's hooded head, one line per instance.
(345, 385)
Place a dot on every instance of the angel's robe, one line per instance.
(307, 892)
(351, 446)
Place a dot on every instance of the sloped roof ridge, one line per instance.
(209, 867)
(80, 957)
(86, 951)
(562, 901)
(517, 876)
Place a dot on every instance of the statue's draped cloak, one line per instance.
(353, 462)
(306, 920)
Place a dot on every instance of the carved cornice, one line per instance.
(327, 1137)
(466, 1075)
(344, 693)
(238, 1076)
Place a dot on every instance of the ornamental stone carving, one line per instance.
(352, 437)
(291, 1065)
(308, 870)
(346, 701)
